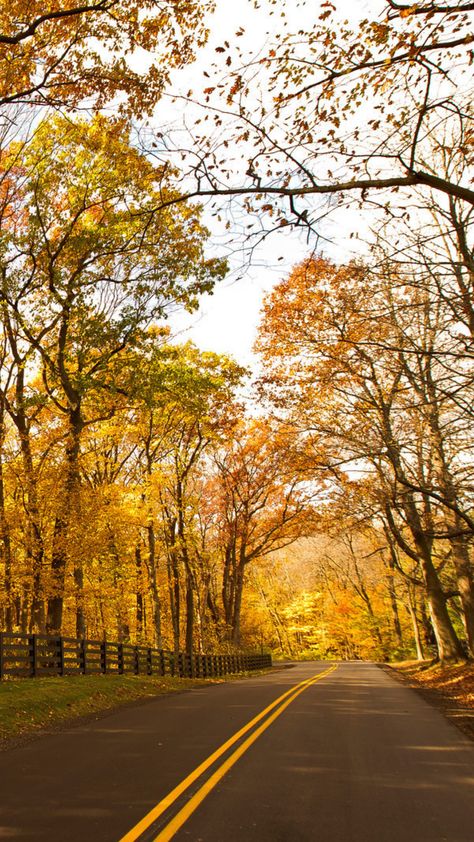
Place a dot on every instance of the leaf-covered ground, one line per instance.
(450, 688)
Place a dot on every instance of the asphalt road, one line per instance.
(353, 757)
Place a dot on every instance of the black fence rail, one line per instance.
(35, 655)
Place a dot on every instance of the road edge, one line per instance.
(450, 709)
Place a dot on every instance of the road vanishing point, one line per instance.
(320, 752)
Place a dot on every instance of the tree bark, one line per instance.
(449, 647)
(68, 515)
(237, 607)
(465, 583)
(155, 593)
(139, 593)
(393, 600)
(5, 539)
(416, 627)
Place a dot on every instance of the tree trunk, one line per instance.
(63, 540)
(211, 602)
(174, 598)
(429, 636)
(155, 593)
(34, 538)
(6, 543)
(17, 409)
(464, 577)
(139, 593)
(393, 601)
(447, 484)
(79, 588)
(416, 627)
(449, 647)
(237, 608)
(54, 619)
(189, 639)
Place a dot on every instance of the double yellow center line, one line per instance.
(269, 714)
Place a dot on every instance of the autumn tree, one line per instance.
(86, 265)
(70, 54)
(357, 389)
(263, 505)
(183, 402)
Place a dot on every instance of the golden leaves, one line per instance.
(69, 51)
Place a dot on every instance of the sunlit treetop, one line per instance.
(67, 52)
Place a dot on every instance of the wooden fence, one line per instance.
(35, 655)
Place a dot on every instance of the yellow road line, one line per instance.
(169, 799)
(180, 818)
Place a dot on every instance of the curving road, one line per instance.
(337, 753)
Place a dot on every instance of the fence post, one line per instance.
(61, 655)
(149, 662)
(120, 658)
(33, 655)
(136, 660)
(103, 657)
(82, 656)
(1, 655)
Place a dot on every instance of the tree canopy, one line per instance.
(358, 108)
(85, 54)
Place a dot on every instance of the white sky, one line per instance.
(227, 321)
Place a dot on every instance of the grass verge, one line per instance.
(449, 688)
(35, 706)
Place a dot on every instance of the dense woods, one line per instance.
(142, 497)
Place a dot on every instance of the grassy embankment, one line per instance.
(450, 688)
(32, 706)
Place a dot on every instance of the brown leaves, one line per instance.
(235, 88)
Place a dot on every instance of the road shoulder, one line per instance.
(450, 689)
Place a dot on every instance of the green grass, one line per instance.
(28, 706)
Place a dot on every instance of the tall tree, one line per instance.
(87, 264)
(352, 390)
(185, 400)
(263, 505)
